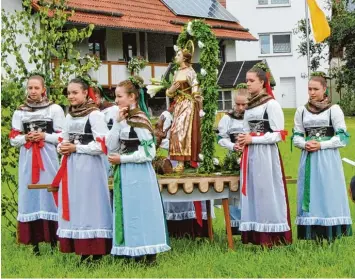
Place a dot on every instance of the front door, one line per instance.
(288, 92)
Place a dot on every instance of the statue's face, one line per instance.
(179, 58)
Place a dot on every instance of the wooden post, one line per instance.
(228, 223)
(209, 220)
(109, 70)
(152, 71)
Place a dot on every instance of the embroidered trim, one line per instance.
(253, 226)
(140, 251)
(309, 221)
(185, 215)
(84, 234)
(36, 216)
(235, 223)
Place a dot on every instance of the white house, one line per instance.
(273, 23)
(147, 28)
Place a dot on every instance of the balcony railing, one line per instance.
(110, 73)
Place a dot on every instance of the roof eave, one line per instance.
(159, 31)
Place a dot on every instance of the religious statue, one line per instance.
(185, 134)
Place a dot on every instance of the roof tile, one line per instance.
(145, 15)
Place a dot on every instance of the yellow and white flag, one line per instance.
(320, 25)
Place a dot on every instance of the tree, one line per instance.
(47, 37)
(342, 37)
(316, 50)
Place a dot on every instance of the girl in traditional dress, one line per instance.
(85, 215)
(265, 218)
(322, 202)
(139, 222)
(229, 127)
(107, 108)
(35, 129)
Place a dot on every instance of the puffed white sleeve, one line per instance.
(192, 81)
(277, 122)
(246, 127)
(16, 139)
(111, 113)
(165, 144)
(168, 120)
(65, 133)
(146, 150)
(298, 136)
(341, 137)
(113, 137)
(58, 123)
(223, 136)
(99, 131)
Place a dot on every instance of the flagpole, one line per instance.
(307, 33)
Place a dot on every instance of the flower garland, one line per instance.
(200, 32)
(136, 64)
(263, 66)
(241, 86)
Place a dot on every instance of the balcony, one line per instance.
(110, 73)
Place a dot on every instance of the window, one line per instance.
(222, 53)
(129, 45)
(97, 43)
(224, 100)
(275, 43)
(274, 2)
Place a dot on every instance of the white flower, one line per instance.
(202, 113)
(200, 44)
(152, 90)
(189, 28)
(217, 72)
(155, 81)
(215, 161)
(239, 160)
(203, 72)
(200, 156)
(176, 48)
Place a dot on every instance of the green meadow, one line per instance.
(200, 258)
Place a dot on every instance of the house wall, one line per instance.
(276, 19)
(114, 43)
(156, 46)
(10, 6)
(230, 50)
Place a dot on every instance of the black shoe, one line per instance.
(35, 250)
(53, 246)
(96, 258)
(151, 260)
(84, 259)
(236, 231)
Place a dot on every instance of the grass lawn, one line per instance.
(201, 258)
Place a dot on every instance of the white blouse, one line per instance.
(276, 121)
(110, 113)
(227, 126)
(77, 125)
(51, 113)
(167, 124)
(305, 119)
(120, 131)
